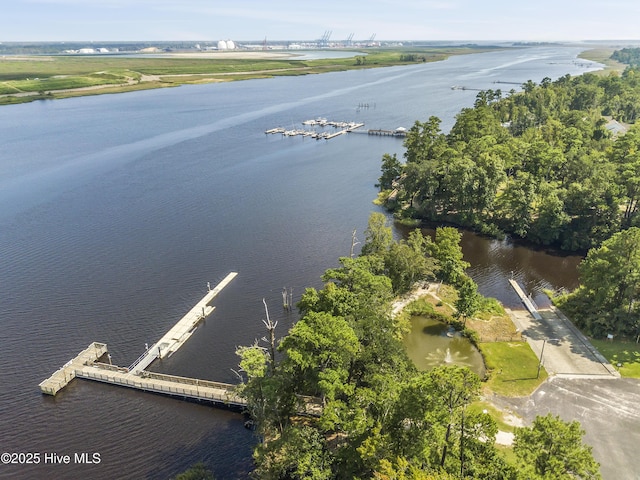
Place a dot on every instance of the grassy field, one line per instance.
(603, 55)
(513, 368)
(625, 356)
(24, 79)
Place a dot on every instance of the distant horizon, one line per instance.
(256, 41)
(279, 20)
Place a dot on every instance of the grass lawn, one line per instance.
(627, 354)
(512, 367)
(491, 410)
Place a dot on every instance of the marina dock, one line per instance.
(345, 127)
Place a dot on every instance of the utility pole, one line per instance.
(462, 445)
(544, 342)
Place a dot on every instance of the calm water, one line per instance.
(117, 211)
(431, 343)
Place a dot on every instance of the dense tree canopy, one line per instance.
(553, 449)
(546, 164)
(608, 299)
(380, 417)
(630, 56)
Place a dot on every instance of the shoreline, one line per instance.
(121, 74)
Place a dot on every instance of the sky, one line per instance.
(245, 20)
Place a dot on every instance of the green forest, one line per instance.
(630, 56)
(378, 416)
(557, 164)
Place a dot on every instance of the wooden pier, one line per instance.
(67, 372)
(398, 132)
(85, 364)
(182, 330)
(184, 388)
(181, 387)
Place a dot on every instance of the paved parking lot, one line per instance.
(608, 410)
(564, 349)
(582, 386)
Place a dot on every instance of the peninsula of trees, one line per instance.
(556, 164)
(630, 56)
(380, 417)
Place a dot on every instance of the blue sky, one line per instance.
(119, 20)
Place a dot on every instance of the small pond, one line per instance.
(431, 343)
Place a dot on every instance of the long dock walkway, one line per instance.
(175, 386)
(184, 388)
(85, 364)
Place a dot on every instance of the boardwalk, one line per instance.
(184, 388)
(181, 387)
(85, 364)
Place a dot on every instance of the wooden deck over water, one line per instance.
(66, 373)
(181, 387)
(85, 364)
(185, 388)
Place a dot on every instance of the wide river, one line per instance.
(118, 209)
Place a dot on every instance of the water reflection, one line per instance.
(494, 261)
(431, 343)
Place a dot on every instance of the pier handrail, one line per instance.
(188, 381)
(221, 396)
(140, 358)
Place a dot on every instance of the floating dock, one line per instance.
(86, 365)
(345, 127)
(182, 330)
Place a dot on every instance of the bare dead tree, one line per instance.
(354, 242)
(271, 327)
